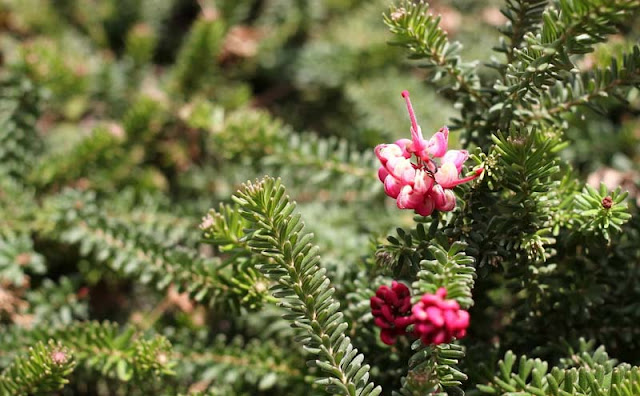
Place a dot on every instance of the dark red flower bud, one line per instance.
(391, 308)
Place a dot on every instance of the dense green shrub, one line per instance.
(144, 251)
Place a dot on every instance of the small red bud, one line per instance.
(82, 292)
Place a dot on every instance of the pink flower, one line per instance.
(385, 152)
(392, 186)
(382, 173)
(447, 175)
(426, 207)
(437, 145)
(422, 185)
(391, 309)
(444, 200)
(402, 169)
(457, 157)
(423, 182)
(437, 320)
(408, 198)
(404, 144)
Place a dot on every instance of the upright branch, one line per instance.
(523, 16)
(432, 367)
(416, 29)
(44, 369)
(568, 28)
(289, 259)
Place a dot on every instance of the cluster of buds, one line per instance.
(435, 319)
(59, 357)
(391, 308)
(423, 185)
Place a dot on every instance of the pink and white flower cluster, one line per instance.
(423, 185)
(435, 319)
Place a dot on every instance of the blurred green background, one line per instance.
(159, 109)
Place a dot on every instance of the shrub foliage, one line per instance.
(123, 123)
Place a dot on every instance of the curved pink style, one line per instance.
(419, 144)
(447, 175)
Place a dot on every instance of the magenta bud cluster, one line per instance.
(411, 175)
(391, 309)
(435, 319)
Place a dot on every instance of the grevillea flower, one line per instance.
(423, 185)
(437, 320)
(391, 308)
